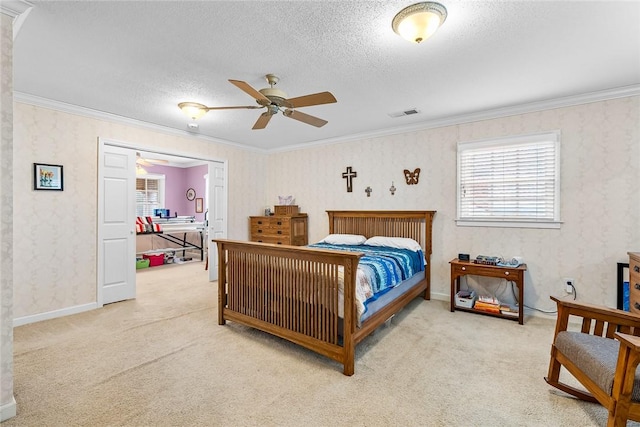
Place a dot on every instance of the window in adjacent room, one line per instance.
(510, 182)
(149, 194)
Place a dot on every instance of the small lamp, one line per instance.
(418, 22)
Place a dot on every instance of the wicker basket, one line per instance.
(287, 210)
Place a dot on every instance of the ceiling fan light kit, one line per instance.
(193, 109)
(419, 21)
(142, 161)
(274, 100)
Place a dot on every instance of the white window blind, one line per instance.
(149, 195)
(510, 181)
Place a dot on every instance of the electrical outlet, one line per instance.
(569, 284)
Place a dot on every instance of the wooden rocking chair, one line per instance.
(603, 356)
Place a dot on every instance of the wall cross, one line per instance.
(349, 175)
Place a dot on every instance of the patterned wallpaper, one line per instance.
(600, 204)
(55, 232)
(599, 207)
(7, 404)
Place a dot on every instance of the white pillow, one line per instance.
(344, 239)
(394, 242)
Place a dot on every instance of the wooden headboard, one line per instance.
(416, 225)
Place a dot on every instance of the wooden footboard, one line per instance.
(291, 292)
(296, 293)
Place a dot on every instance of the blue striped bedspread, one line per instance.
(380, 269)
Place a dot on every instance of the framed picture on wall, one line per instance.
(199, 205)
(191, 194)
(47, 177)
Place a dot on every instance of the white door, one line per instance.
(116, 225)
(217, 212)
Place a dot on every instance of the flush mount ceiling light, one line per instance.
(418, 22)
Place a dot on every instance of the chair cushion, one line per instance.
(595, 356)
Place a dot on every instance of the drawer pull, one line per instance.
(279, 222)
(636, 268)
(506, 273)
(279, 231)
(260, 222)
(279, 243)
(637, 286)
(464, 268)
(259, 231)
(636, 305)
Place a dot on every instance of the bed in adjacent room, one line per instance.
(329, 296)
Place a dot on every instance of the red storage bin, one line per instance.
(154, 259)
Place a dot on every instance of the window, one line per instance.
(510, 182)
(149, 194)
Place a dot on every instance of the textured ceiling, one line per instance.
(140, 59)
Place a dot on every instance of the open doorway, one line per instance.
(171, 210)
(187, 213)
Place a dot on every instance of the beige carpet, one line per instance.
(163, 360)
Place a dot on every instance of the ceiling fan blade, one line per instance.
(235, 108)
(305, 118)
(309, 100)
(263, 120)
(244, 86)
(148, 162)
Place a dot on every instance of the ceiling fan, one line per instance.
(141, 161)
(274, 100)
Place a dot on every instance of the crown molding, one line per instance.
(14, 8)
(101, 115)
(615, 93)
(18, 10)
(569, 101)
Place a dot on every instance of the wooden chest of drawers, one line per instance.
(634, 282)
(279, 229)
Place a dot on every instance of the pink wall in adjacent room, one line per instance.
(177, 182)
(195, 180)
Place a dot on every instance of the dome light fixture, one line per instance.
(420, 21)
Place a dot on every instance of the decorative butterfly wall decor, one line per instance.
(412, 177)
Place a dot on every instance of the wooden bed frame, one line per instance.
(292, 291)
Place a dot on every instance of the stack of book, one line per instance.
(509, 310)
(487, 304)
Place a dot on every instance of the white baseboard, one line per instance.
(8, 410)
(440, 297)
(19, 321)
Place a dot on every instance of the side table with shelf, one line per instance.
(513, 274)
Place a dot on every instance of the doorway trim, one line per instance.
(154, 150)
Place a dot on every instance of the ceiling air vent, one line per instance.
(408, 112)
